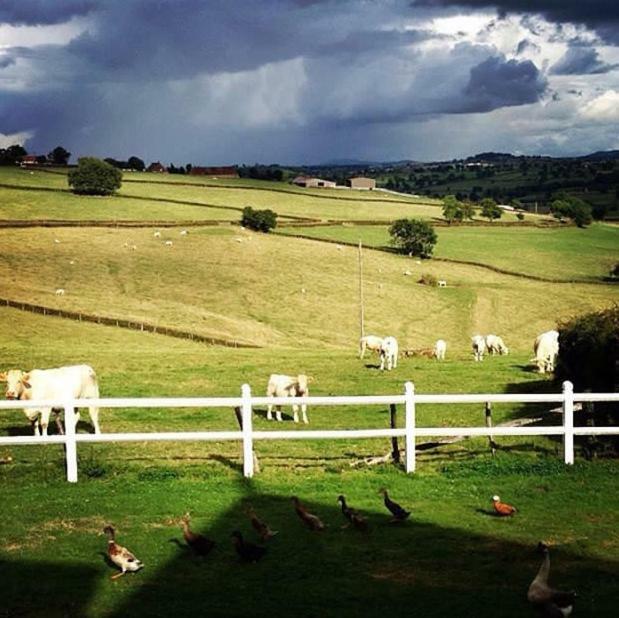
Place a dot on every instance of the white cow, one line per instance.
(389, 353)
(78, 381)
(288, 386)
(369, 342)
(479, 347)
(546, 348)
(440, 347)
(495, 345)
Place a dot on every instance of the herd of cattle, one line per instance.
(80, 381)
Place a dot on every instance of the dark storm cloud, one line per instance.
(43, 12)
(599, 15)
(525, 45)
(581, 61)
(6, 61)
(496, 83)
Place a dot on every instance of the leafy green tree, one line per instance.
(467, 210)
(490, 210)
(135, 163)
(12, 155)
(59, 156)
(259, 220)
(566, 206)
(451, 209)
(94, 177)
(413, 236)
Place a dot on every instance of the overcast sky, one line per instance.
(217, 82)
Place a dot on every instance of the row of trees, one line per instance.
(456, 210)
(14, 154)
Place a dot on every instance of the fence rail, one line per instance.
(247, 435)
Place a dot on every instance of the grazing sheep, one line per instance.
(60, 292)
(546, 348)
(479, 347)
(441, 283)
(183, 232)
(157, 234)
(495, 345)
(369, 342)
(440, 347)
(168, 243)
(389, 353)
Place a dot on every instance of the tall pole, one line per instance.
(361, 307)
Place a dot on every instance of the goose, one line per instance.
(120, 555)
(311, 521)
(200, 544)
(553, 603)
(353, 517)
(399, 514)
(247, 551)
(260, 526)
(502, 508)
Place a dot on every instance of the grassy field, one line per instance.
(298, 300)
(559, 253)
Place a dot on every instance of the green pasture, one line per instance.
(451, 557)
(276, 291)
(557, 253)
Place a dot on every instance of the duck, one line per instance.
(312, 521)
(201, 545)
(120, 555)
(260, 526)
(553, 603)
(248, 552)
(502, 509)
(399, 514)
(353, 517)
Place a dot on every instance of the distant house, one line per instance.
(219, 172)
(305, 181)
(506, 207)
(29, 160)
(156, 167)
(361, 183)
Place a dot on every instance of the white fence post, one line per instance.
(70, 442)
(248, 438)
(568, 422)
(409, 391)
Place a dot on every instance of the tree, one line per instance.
(467, 209)
(566, 206)
(12, 155)
(452, 209)
(59, 156)
(94, 177)
(259, 220)
(490, 210)
(135, 163)
(413, 236)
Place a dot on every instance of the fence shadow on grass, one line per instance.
(408, 569)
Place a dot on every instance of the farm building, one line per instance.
(29, 160)
(305, 181)
(156, 167)
(361, 183)
(220, 172)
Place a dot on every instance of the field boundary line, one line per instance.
(79, 316)
(496, 269)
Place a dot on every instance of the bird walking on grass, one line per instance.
(261, 527)
(553, 603)
(354, 517)
(502, 509)
(198, 543)
(120, 555)
(399, 514)
(312, 521)
(248, 552)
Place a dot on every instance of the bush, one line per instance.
(427, 279)
(259, 220)
(94, 177)
(568, 207)
(490, 210)
(520, 216)
(589, 357)
(413, 236)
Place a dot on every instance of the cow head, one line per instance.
(16, 383)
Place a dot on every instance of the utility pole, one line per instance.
(361, 305)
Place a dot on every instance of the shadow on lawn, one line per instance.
(405, 569)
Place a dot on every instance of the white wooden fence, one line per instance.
(247, 435)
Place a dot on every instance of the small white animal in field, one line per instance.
(339, 247)
(389, 353)
(440, 347)
(157, 234)
(238, 239)
(183, 232)
(71, 262)
(126, 245)
(417, 261)
(56, 241)
(408, 273)
(134, 247)
(442, 283)
(60, 292)
(168, 243)
(478, 343)
(302, 290)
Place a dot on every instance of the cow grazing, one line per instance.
(78, 381)
(168, 243)
(369, 342)
(288, 386)
(478, 344)
(495, 345)
(440, 347)
(546, 349)
(441, 283)
(389, 353)
(59, 292)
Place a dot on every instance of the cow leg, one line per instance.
(94, 417)
(304, 412)
(45, 413)
(269, 412)
(59, 423)
(278, 413)
(295, 413)
(35, 427)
